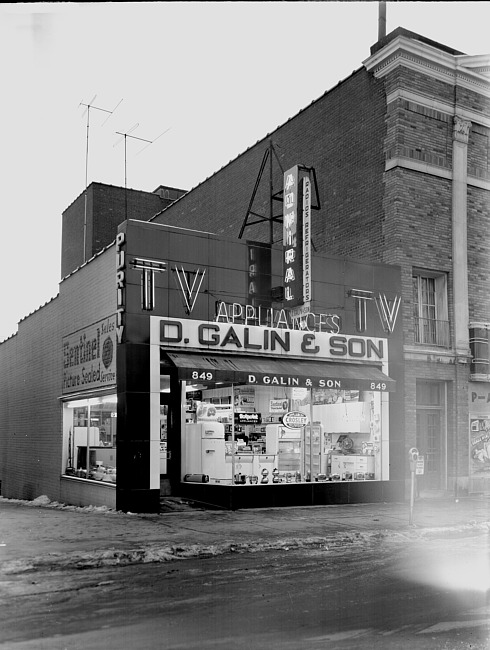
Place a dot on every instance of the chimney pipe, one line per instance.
(381, 20)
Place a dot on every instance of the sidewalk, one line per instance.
(40, 534)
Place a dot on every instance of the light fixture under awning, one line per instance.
(278, 372)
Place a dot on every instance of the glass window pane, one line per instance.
(89, 438)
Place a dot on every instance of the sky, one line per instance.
(200, 81)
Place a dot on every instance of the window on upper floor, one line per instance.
(430, 308)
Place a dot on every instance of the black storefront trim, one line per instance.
(260, 371)
(235, 497)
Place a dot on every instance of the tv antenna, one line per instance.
(125, 136)
(87, 110)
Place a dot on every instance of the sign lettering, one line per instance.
(89, 359)
(120, 284)
(193, 334)
(292, 240)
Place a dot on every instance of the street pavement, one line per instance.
(41, 534)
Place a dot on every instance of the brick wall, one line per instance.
(341, 135)
(479, 254)
(107, 207)
(29, 413)
(31, 377)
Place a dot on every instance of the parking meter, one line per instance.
(413, 455)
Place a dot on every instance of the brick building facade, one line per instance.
(31, 378)
(91, 221)
(401, 154)
(400, 157)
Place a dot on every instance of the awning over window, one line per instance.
(278, 372)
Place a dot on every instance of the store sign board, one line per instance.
(292, 240)
(278, 405)
(298, 318)
(290, 380)
(248, 418)
(89, 357)
(480, 446)
(294, 419)
(120, 284)
(223, 337)
(307, 278)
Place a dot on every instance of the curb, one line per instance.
(168, 553)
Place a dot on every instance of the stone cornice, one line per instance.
(432, 170)
(428, 354)
(418, 166)
(426, 59)
(438, 105)
(479, 63)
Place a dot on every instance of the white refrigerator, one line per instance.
(205, 451)
(287, 444)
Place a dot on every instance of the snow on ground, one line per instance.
(335, 541)
(44, 501)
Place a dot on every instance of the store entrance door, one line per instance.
(429, 444)
(165, 453)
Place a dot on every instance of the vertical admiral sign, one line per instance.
(292, 240)
(297, 238)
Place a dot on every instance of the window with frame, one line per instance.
(89, 438)
(430, 308)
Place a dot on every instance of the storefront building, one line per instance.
(227, 396)
(171, 363)
(401, 155)
(397, 283)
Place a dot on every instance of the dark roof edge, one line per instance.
(401, 31)
(119, 187)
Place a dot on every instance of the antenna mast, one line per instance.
(124, 136)
(105, 110)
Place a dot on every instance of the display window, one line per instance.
(89, 438)
(257, 435)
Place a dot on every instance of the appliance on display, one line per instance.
(352, 464)
(196, 478)
(204, 451)
(344, 417)
(345, 443)
(286, 443)
(317, 456)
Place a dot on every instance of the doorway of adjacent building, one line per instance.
(165, 453)
(431, 433)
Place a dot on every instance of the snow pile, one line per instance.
(44, 501)
(41, 501)
(167, 553)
